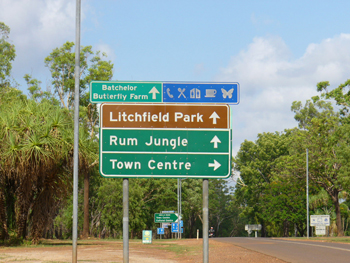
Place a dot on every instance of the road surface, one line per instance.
(294, 251)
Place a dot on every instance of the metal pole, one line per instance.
(76, 133)
(178, 208)
(307, 190)
(205, 220)
(125, 220)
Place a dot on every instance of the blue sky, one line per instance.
(276, 50)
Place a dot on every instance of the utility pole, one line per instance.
(307, 191)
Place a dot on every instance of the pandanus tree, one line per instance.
(35, 159)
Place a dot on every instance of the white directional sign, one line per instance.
(319, 220)
(320, 230)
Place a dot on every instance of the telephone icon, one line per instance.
(169, 94)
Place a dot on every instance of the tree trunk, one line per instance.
(86, 205)
(3, 218)
(337, 212)
(285, 228)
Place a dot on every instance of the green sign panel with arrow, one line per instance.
(165, 218)
(140, 92)
(165, 141)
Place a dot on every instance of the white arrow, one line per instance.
(154, 91)
(214, 116)
(215, 140)
(216, 164)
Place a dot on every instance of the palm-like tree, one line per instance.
(35, 158)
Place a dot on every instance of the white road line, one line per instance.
(302, 243)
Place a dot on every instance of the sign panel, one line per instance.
(166, 225)
(252, 227)
(165, 116)
(147, 236)
(161, 165)
(169, 92)
(114, 91)
(320, 230)
(319, 220)
(174, 227)
(160, 231)
(165, 140)
(165, 218)
(201, 92)
(177, 141)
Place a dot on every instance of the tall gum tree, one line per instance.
(327, 140)
(93, 66)
(7, 55)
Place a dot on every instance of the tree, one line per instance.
(327, 139)
(256, 163)
(34, 157)
(7, 55)
(61, 63)
(341, 95)
(219, 205)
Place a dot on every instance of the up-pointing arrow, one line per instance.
(216, 165)
(154, 91)
(214, 116)
(215, 140)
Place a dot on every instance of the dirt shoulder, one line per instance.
(160, 251)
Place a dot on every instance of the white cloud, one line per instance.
(37, 27)
(271, 80)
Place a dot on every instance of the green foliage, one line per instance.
(61, 63)
(7, 55)
(34, 157)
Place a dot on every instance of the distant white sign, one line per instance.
(252, 227)
(320, 230)
(319, 220)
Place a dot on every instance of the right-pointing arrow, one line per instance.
(215, 140)
(216, 164)
(214, 116)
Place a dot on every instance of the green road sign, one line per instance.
(193, 142)
(184, 165)
(165, 218)
(165, 140)
(140, 92)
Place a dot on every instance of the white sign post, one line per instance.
(320, 222)
(250, 228)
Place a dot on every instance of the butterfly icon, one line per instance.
(226, 94)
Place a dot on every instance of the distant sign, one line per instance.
(320, 230)
(319, 220)
(252, 227)
(147, 236)
(165, 218)
(160, 231)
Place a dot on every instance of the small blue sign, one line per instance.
(201, 92)
(160, 231)
(174, 227)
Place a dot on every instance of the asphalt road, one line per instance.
(294, 251)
